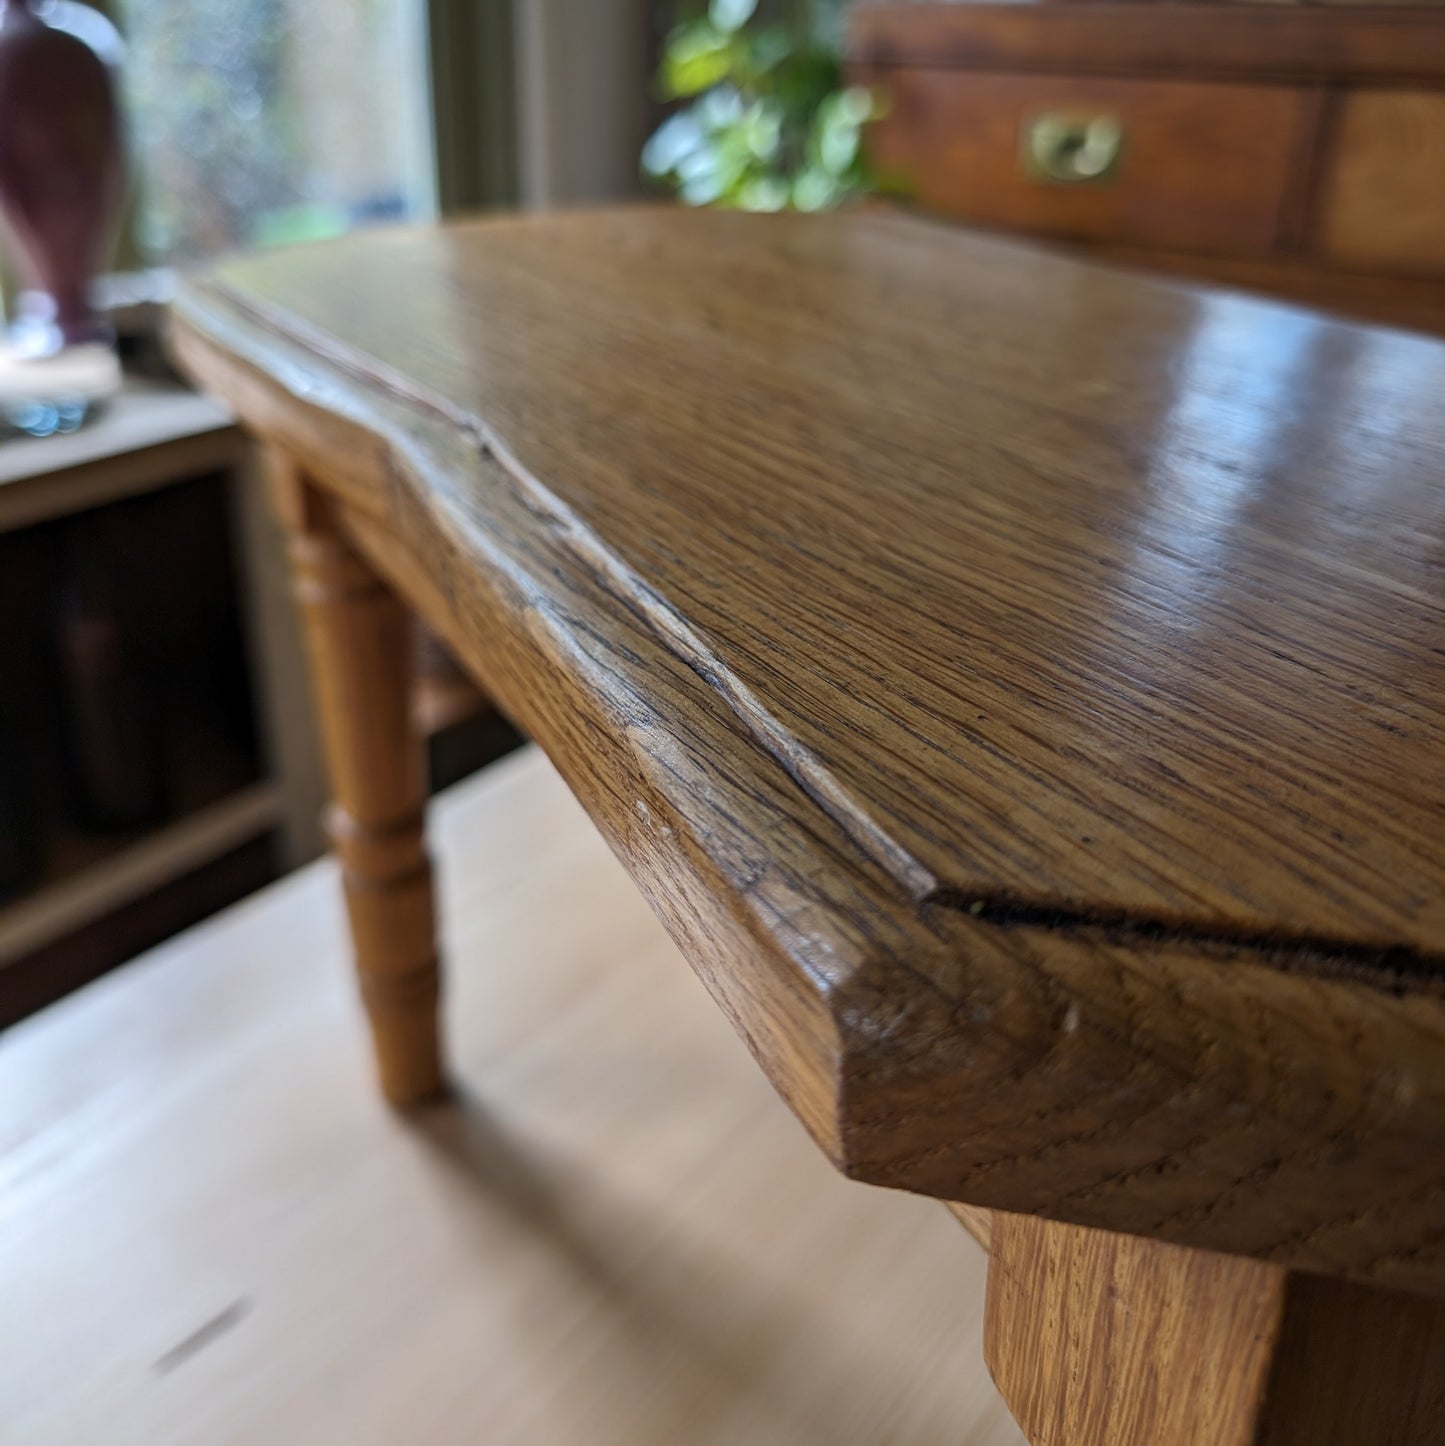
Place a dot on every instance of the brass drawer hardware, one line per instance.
(1077, 150)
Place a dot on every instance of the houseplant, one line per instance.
(765, 122)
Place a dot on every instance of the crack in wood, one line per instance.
(1382, 966)
(1317, 953)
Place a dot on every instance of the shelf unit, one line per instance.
(153, 435)
(156, 434)
(76, 897)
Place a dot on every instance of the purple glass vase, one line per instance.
(62, 174)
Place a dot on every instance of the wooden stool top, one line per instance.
(1016, 683)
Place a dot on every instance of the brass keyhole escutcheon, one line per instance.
(1077, 150)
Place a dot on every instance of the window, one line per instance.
(258, 122)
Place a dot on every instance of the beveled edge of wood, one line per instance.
(975, 1219)
(1204, 1098)
(1121, 37)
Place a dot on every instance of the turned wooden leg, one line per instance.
(358, 637)
(1096, 1339)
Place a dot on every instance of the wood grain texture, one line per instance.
(360, 641)
(1098, 1339)
(1202, 167)
(975, 1219)
(1383, 200)
(1013, 683)
(1282, 152)
(612, 1234)
(1287, 42)
(1414, 302)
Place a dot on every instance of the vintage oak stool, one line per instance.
(1016, 684)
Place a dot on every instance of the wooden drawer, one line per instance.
(1383, 199)
(1201, 166)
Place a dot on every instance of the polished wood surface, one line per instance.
(1293, 149)
(1204, 167)
(613, 1236)
(1414, 302)
(1263, 41)
(1015, 684)
(1098, 1339)
(1383, 203)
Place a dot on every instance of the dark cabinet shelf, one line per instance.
(126, 585)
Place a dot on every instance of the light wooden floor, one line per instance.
(212, 1231)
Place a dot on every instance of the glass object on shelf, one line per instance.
(258, 122)
(51, 396)
(62, 170)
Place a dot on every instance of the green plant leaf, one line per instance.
(771, 125)
(763, 193)
(836, 135)
(762, 129)
(712, 173)
(696, 58)
(671, 143)
(805, 79)
(731, 15)
(768, 48)
(815, 190)
(859, 104)
(720, 109)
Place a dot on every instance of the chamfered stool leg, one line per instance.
(1098, 1339)
(358, 638)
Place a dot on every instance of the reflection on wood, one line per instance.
(1015, 683)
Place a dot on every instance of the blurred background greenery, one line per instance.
(764, 120)
(256, 122)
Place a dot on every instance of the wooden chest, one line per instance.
(1294, 149)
